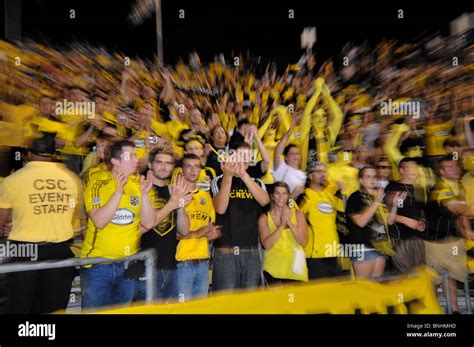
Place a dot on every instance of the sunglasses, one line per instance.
(383, 167)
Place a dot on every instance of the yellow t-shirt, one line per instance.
(73, 132)
(175, 126)
(205, 177)
(159, 129)
(200, 212)
(15, 118)
(119, 238)
(340, 171)
(320, 208)
(44, 198)
(446, 190)
(436, 134)
(468, 184)
(94, 171)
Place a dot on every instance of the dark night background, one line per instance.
(214, 26)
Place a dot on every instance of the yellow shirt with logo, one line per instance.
(436, 134)
(446, 190)
(320, 208)
(205, 177)
(44, 198)
(200, 212)
(119, 238)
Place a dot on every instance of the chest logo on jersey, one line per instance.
(204, 186)
(134, 200)
(325, 208)
(442, 133)
(202, 201)
(123, 216)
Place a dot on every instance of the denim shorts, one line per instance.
(368, 255)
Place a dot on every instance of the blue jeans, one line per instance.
(193, 279)
(236, 270)
(166, 286)
(368, 255)
(104, 285)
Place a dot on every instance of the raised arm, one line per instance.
(282, 144)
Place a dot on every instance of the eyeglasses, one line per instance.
(383, 167)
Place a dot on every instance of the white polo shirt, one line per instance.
(291, 176)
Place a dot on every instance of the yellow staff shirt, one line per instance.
(44, 198)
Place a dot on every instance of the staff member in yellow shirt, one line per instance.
(42, 198)
(192, 252)
(117, 204)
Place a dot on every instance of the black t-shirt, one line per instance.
(236, 139)
(213, 161)
(240, 221)
(256, 170)
(197, 136)
(163, 236)
(357, 235)
(412, 208)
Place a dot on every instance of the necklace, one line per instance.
(412, 196)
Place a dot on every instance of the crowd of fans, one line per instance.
(365, 166)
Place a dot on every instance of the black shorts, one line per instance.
(323, 268)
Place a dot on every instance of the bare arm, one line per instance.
(361, 219)
(5, 218)
(281, 147)
(268, 238)
(223, 104)
(221, 200)
(146, 209)
(468, 132)
(103, 215)
(392, 202)
(197, 234)
(80, 140)
(263, 150)
(258, 192)
(299, 230)
(182, 225)
(179, 198)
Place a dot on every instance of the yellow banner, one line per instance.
(412, 295)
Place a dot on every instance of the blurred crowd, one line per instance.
(363, 164)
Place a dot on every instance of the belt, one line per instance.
(235, 249)
(194, 261)
(42, 244)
